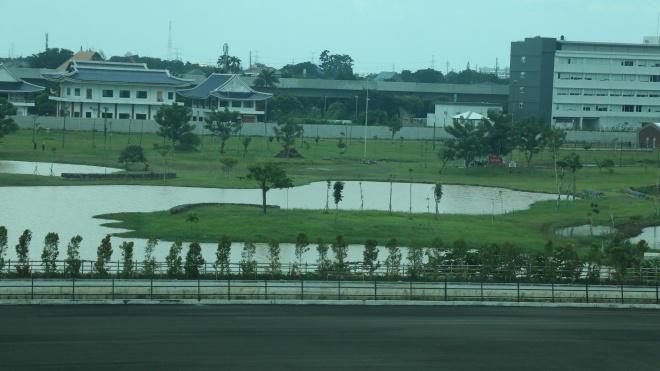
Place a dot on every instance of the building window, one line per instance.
(628, 93)
(224, 103)
(89, 93)
(588, 92)
(68, 91)
(521, 105)
(141, 94)
(523, 59)
(655, 78)
(125, 116)
(106, 115)
(159, 96)
(615, 93)
(76, 92)
(124, 94)
(522, 75)
(88, 115)
(170, 95)
(248, 104)
(76, 114)
(601, 108)
(627, 63)
(140, 116)
(107, 93)
(628, 108)
(522, 89)
(236, 103)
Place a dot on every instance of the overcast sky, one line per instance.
(380, 35)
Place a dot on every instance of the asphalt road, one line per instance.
(307, 337)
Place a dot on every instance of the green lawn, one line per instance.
(323, 161)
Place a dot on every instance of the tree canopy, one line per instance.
(174, 122)
(268, 176)
(266, 79)
(50, 58)
(132, 154)
(7, 124)
(287, 130)
(336, 66)
(223, 124)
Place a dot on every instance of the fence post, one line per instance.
(151, 289)
(621, 292)
(302, 289)
(199, 293)
(482, 290)
(411, 290)
(339, 287)
(266, 288)
(32, 289)
(586, 288)
(518, 290)
(229, 288)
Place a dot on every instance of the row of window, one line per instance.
(109, 93)
(109, 115)
(607, 107)
(224, 103)
(608, 62)
(610, 92)
(605, 77)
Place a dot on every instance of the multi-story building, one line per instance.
(220, 91)
(586, 85)
(17, 91)
(113, 90)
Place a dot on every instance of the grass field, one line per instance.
(403, 160)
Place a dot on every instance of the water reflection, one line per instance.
(51, 169)
(584, 230)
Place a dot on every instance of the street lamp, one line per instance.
(366, 115)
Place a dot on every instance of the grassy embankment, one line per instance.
(528, 229)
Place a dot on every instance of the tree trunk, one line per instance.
(263, 193)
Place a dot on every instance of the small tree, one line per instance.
(173, 259)
(370, 256)
(248, 264)
(322, 262)
(287, 130)
(149, 259)
(327, 197)
(268, 176)
(50, 253)
(223, 124)
(246, 143)
(73, 261)
(222, 254)
(394, 124)
(274, 265)
(194, 260)
(174, 121)
(228, 163)
(415, 259)
(22, 251)
(437, 196)
(572, 162)
(340, 250)
(393, 261)
(3, 246)
(192, 218)
(336, 193)
(594, 263)
(132, 154)
(127, 258)
(103, 256)
(302, 244)
(7, 124)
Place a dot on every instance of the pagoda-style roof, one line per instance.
(81, 56)
(225, 87)
(13, 84)
(115, 72)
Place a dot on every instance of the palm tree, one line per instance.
(266, 79)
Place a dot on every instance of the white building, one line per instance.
(220, 91)
(17, 91)
(587, 85)
(113, 90)
(445, 111)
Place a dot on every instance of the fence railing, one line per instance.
(272, 290)
(349, 270)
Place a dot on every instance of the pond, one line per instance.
(651, 235)
(584, 230)
(69, 210)
(51, 169)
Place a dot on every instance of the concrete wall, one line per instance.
(323, 131)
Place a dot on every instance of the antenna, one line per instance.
(225, 54)
(432, 61)
(177, 56)
(169, 44)
(497, 66)
(46, 40)
(250, 66)
(447, 64)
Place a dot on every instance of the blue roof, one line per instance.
(128, 73)
(20, 86)
(241, 96)
(203, 90)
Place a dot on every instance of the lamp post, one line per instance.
(434, 132)
(366, 115)
(513, 110)
(65, 113)
(325, 100)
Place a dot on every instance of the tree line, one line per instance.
(615, 261)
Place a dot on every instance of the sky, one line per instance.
(380, 35)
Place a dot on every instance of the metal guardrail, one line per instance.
(200, 290)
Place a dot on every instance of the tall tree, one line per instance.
(340, 250)
(126, 248)
(266, 79)
(555, 138)
(268, 176)
(73, 261)
(572, 162)
(393, 261)
(223, 124)
(174, 122)
(50, 252)
(248, 263)
(22, 251)
(7, 124)
(173, 259)
(284, 105)
(415, 259)
(530, 137)
(222, 254)
(302, 246)
(370, 256)
(45, 106)
(149, 264)
(336, 66)
(394, 124)
(322, 262)
(51, 58)
(337, 194)
(194, 260)
(273, 255)
(132, 154)
(287, 130)
(469, 140)
(103, 256)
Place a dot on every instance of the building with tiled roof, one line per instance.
(113, 90)
(17, 91)
(220, 91)
(81, 56)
